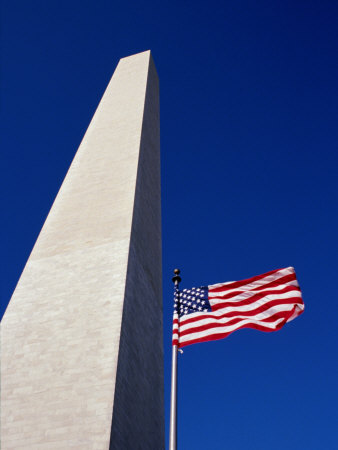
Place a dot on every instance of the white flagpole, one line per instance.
(173, 396)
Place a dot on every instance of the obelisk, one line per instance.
(82, 352)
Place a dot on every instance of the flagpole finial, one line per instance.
(176, 279)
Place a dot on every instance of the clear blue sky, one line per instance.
(249, 183)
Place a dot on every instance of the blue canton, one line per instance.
(191, 301)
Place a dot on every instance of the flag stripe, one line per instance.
(259, 279)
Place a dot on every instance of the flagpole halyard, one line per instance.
(173, 395)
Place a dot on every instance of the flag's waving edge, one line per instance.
(264, 302)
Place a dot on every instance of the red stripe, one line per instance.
(215, 337)
(237, 284)
(254, 298)
(216, 324)
(280, 281)
(255, 311)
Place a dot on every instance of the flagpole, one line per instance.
(173, 396)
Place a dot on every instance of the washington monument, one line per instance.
(82, 350)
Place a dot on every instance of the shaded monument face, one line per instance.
(82, 352)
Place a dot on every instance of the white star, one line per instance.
(198, 300)
(205, 310)
(203, 302)
(194, 306)
(199, 308)
(189, 303)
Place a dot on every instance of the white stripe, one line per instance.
(227, 329)
(248, 295)
(268, 279)
(275, 276)
(260, 316)
(251, 292)
(262, 301)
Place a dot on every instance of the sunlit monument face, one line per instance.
(82, 357)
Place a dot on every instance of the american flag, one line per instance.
(265, 302)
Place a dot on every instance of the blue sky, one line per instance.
(249, 183)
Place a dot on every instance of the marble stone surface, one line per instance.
(81, 339)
